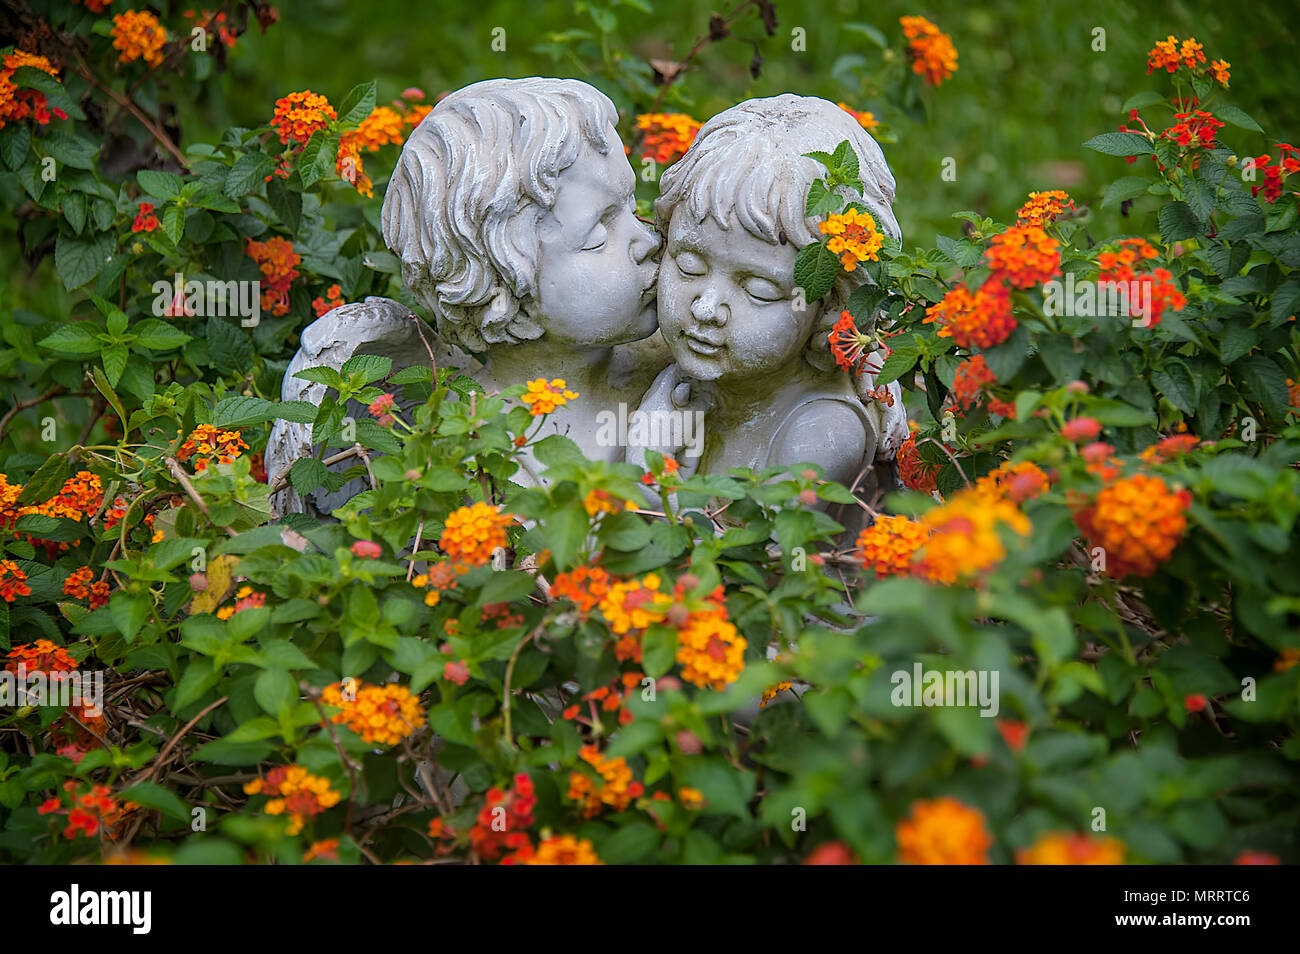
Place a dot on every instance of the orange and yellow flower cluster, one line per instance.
(557, 850)
(1043, 207)
(1117, 267)
(294, 792)
(931, 50)
(1024, 256)
(333, 299)
(1059, 848)
(472, 533)
(278, 263)
(866, 120)
(980, 319)
(855, 237)
(1137, 521)
(1171, 56)
(137, 35)
(209, 445)
(78, 498)
(667, 135)
(914, 472)
(381, 715)
(13, 581)
(710, 650)
(615, 789)
(543, 397)
(942, 831)
(584, 586)
(78, 585)
(300, 114)
(384, 126)
(17, 104)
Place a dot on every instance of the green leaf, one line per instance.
(285, 203)
(307, 474)
(1147, 97)
(658, 650)
(58, 529)
(275, 690)
(230, 349)
(46, 482)
(1200, 198)
(358, 104)
(634, 842)
(846, 161)
(296, 412)
(506, 586)
(173, 222)
(565, 533)
(15, 140)
(815, 271)
(68, 149)
(1266, 383)
(160, 185)
(158, 335)
(74, 210)
(77, 338)
(241, 411)
(959, 252)
(821, 200)
(1235, 116)
(152, 795)
(1178, 222)
(1120, 144)
(114, 358)
(129, 612)
(1175, 382)
(248, 172)
(80, 260)
(369, 366)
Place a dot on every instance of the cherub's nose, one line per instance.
(645, 245)
(709, 308)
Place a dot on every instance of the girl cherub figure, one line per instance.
(745, 345)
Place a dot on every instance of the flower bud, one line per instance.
(678, 614)
(412, 474)
(808, 497)
(198, 582)
(689, 581)
(689, 743)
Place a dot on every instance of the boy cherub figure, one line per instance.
(745, 345)
(512, 212)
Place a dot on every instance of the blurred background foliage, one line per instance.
(1029, 88)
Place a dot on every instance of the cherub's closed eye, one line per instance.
(596, 240)
(762, 290)
(690, 264)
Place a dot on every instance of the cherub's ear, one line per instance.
(523, 325)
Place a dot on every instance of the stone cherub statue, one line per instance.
(744, 345)
(512, 213)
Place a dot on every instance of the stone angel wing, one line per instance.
(376, 326)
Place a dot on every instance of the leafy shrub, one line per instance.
(461, 666)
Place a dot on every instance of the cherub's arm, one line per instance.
(828, 433)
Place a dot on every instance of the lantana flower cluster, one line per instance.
(381, 715)
(667, 136)
(931, 50)
(295, 792)
(17, 104)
